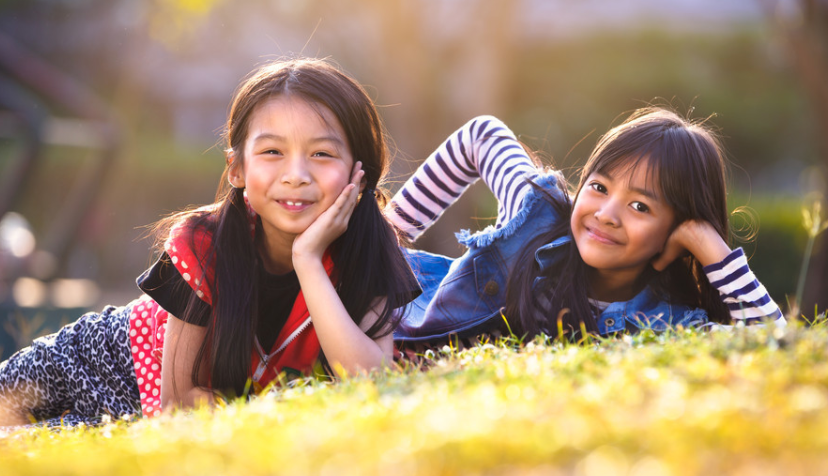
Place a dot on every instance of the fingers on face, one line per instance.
(346, 201)
(358, 173)
(670, 253)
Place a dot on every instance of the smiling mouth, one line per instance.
(294, 205)
(601, 237)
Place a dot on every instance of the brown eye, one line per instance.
(598, 187)
(640, 207)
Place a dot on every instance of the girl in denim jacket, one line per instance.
(643, 243)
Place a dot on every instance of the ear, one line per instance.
(362, 184)
(235, 172)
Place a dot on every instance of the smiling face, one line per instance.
(296, 163)
(619, 223)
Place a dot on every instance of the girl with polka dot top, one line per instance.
(293, 270)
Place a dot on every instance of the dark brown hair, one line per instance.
(685, 160)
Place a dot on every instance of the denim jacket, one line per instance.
(466, 296)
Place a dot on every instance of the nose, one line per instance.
(607, 214)
(295, 171)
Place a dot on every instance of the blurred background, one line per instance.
(111, 110)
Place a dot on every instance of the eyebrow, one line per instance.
(315, 140)
(642, 191)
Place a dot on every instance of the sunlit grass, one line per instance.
(747, 401)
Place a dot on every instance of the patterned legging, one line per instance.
(78, 374)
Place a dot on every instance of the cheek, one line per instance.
(579, 208)
(335, 179)
(575, 226)
(341, 177)
(658, 238)
(256, 181)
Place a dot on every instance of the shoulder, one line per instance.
(190, 249)
(192, 231)
(552, 182)
(545, 202)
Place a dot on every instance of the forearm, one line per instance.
(181, 344)
(483, 147)
(704, 242)
(196, 396)
(728, 271)
(341, 339)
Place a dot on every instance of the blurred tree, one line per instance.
(804, 30)
(168, 68)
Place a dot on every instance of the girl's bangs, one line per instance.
(651, 158)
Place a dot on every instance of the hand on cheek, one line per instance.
(673, 249)
(698, 238)
(330, 224)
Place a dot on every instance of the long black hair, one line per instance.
(686, 161)
(368, 261)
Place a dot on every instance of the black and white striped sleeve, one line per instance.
(744, 295)
(484, 147)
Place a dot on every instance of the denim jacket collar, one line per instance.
(647, 310)
(546, 256)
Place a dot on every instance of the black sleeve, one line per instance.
(164, 284)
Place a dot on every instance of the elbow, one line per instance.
(488, 126)
(168, 405)
(486, 118)
(170, 400)
(361, 367)
(193, 398)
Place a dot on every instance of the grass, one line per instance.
(747, 401)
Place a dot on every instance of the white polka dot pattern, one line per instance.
(148, 320)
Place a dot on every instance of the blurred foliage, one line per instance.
(150, 61)
(745, 401)
(578, 89)
(775, 253)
